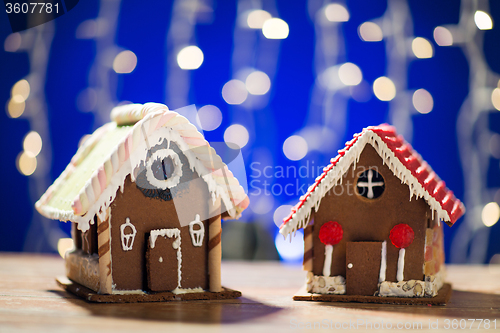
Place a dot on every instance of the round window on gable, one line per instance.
(163, 169)
(370, 184)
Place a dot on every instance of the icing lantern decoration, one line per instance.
(330, 234)
(127, 233)
(401, 236)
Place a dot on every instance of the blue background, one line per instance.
(143, 28)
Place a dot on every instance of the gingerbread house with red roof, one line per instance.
(372, 224)
(146, 193)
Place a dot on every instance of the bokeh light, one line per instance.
(335, 12)
(370, 32)
(319, 137)
(32, 143)
(423, 101)
(15, 109)
(350, 74)
(125, 62)
(295, 148)
(490, 214)
(483, 20)
(234, 92)
(262, 205)
(330, 79)
(13, 42)
(290, 251)
(422, 48)
(26, 163)
(256, 18)
(190, 57)
(236, 134)
(20, 91)
(258, 83)
(495, 98)
(443, 36)
(64, 245)
(384, 89)
(275, 28)
(209, 117)
(280, 213)
(494, 147)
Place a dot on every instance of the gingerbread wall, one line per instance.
(146, 214)
(367, 220)
(434, 250)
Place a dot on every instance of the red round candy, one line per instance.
(402, 235)
(331, 233)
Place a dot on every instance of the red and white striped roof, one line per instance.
(402, 160)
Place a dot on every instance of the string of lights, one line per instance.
(28, 102)
(339, 80)
(100, 96)
(476, 141)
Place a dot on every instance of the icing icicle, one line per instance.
(170, 233)
(400, 158)
(127, 149)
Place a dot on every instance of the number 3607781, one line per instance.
(470, 323)
(31, 8)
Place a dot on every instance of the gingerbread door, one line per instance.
(363, 267)
(163, 259)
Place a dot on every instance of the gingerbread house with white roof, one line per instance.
(146, 193)
(372, 224)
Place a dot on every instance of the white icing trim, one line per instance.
(328, 260)
(170, 233)
(217, 184)
(176, 176)
(135, 159)
(127, 239)
(334, 177)
(370, 184)
(401, 265)
(99, 208)
(178, 290)
(127, 292)
(197, 235)
(383, 262)
(167, 233)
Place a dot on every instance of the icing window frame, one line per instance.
(369, 184)
(161, 155)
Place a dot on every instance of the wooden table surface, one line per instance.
(30, 300)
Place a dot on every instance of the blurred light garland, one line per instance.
(253, 67)
(470, 244)
(35, 160)
(180, 43)
(100, 96)
(256, 40)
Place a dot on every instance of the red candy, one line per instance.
(402, 235)
(331, 233)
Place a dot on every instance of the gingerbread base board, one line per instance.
(91, 296)
(441, 298)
